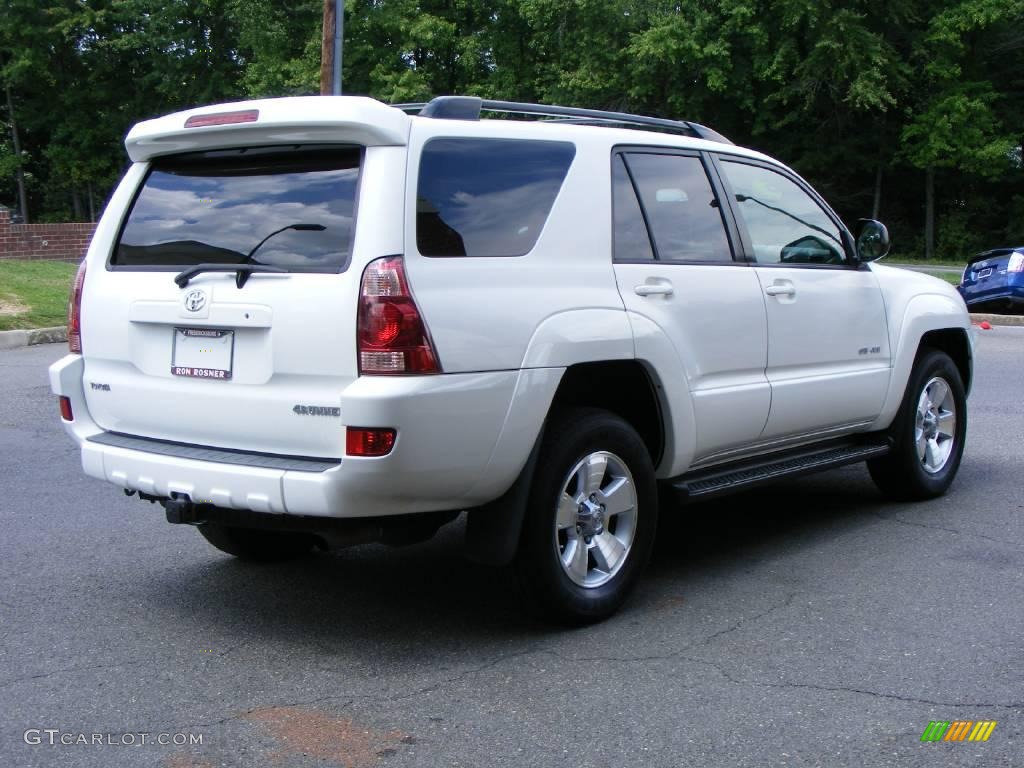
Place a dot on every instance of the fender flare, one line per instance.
(493, 530)
(656, 352)
(561, 340)
(580, 336)
(922, 314)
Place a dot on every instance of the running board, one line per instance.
(741, 475)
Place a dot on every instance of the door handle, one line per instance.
(781, 290)
(654, 289)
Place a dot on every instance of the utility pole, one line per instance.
(330, 47)
(22, 197)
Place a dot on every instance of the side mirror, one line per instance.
(872, 240)
(809, 249)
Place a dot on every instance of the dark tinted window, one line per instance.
(631, 238)
(487, 197)
(786, 225)
(681, 207)
(217, 207)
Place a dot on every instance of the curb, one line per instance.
(14, 339)
(982, 317)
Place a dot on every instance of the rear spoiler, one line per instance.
(296, 120)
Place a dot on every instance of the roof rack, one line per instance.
(470, 107)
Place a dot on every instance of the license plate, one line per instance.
(203, 353)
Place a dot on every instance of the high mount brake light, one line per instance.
(392, 336)
(75, 312)
(223, 118)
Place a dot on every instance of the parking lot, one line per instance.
(809, 624)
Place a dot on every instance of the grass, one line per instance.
(953, 278)
(37, 291)
(896, 259)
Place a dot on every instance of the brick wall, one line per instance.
(55, 242)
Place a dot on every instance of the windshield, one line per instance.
(286, 208)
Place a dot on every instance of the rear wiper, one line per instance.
(246, 268)
(243, 271)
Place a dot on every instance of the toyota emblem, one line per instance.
(195, 300)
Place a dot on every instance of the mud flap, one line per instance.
(493, 530)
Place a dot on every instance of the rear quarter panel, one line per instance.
(486, 313)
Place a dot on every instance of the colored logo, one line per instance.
(958, 730)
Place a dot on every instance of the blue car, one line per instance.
(994, 280)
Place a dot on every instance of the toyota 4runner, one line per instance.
(326, 320)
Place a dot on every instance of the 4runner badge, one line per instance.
(195, 300)
(317, 410)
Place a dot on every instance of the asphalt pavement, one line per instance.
(810, 624)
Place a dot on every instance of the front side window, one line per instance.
(487, 197)
(786, 225)
(681, 208)
(286, 208)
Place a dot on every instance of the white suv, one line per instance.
(326, 320)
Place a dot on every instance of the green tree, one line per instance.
(956, 123)
(279, 45)
(81, 73)
(866, 100)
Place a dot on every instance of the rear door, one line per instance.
(260, 366)
(674, 265)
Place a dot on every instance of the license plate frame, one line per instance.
(203, 353)
(987, 271)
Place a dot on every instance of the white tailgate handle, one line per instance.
(659, 288)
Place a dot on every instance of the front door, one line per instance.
(828, 350)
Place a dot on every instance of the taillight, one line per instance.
(360, 441)
(65, 408)
(1016, 262)
(75, 312)
(392, 336)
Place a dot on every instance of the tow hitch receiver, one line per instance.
(181, 511)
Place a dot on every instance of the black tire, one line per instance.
(570, 438)
(901, 474)
(257, 545)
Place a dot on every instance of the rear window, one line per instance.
(287, 208)
(487, 197)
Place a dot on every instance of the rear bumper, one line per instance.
(448, 429)
(1012, 294)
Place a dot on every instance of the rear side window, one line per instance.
(487, 197)
(287, 208)
(681, 208)
(632, 242)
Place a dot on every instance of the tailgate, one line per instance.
(259, 367)
(286, 351)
